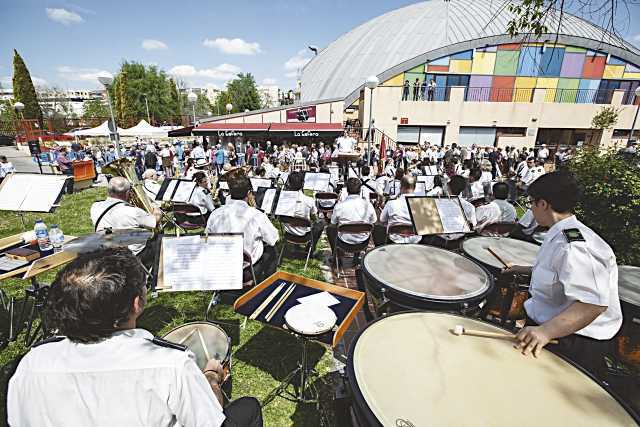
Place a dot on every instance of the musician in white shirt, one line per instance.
(499, 210)
(236, 216)
(201, 196)
(6, 167)
(396, 212)
(305, 208)
(456, 185)
(151, 185)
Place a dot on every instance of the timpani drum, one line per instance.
(506, 302)
(409, 369)
(206, 340)
(629, 336)
(419, 277)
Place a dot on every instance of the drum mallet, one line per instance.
(460, 330)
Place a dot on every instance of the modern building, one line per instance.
(269, 96)
(488, 88)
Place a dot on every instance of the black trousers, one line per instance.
(243, 412)
(316, 231)
(267, 263)
(379, 234)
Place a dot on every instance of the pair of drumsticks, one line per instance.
(270, 298)
(460, 330)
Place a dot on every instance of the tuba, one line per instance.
(126, 168)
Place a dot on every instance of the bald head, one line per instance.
(408, 184)
(119, 187)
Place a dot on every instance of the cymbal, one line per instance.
(108, 239)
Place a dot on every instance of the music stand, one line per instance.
(437, 215)
(344, 160)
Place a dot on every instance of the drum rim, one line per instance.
(471, 296)
(462, 246)
(365, 409)
(227, 356)
(620, 296)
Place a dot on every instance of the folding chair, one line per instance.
(325, 203)
(404, 230)
(188, 217)
(247, 266)
(351, 248)
(501, 229)
(293, 239)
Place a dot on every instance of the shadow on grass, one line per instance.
(324, 413)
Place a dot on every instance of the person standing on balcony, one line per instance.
(431, 90)
(543, 153)
(423, 90)
(416, 89)
(405, 90)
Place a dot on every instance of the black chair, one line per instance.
(329, 201)
(247, 270)
(188, 217)
(404, 230)
(351, 248)
(293, 239)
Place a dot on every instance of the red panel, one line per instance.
(502, 89)
(509, 46)
(593, 67)
(438, 68)
(288, 127)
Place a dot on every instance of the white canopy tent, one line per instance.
(102, 130)
(144, 129)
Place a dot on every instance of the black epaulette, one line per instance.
(56, 338)
(206, 191)
(168, 344)
(573, 235)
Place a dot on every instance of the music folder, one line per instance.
(176, 190)
(437, 215)
(27, 192)
(317, 181)
(267, 199)
(260, 182)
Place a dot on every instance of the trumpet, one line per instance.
(126, 168)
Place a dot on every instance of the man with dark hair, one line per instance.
(105, 371)
(236, 216)
(396, 212)
(499, 210)
(574, 282)
(305, 208)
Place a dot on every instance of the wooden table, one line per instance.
(41, 264)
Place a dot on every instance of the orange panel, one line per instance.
(502, 89)
(593, 67)
(437, 68)
(509, 46)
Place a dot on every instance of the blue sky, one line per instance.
(68, 45)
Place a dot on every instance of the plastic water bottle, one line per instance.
(42, 234)
(57, 238)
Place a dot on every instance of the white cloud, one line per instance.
(7, 81)
(291, 74)
(221, 72)
(296, 63)
(151, 44)
(63, 16)
(233, 46)
(269, 81)
(82, 74)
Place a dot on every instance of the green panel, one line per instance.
(567, 90)
(418, 69)
(506, 62)
(575, 49)
(413, 76)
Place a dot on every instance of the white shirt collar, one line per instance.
(569, 222)
(234, 202)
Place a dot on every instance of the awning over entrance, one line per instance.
(289, 130)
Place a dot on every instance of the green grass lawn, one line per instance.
(261, 355)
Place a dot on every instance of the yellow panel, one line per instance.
(550, 95)
(533, 44)
(613, 72)
(394, 81)
(547, 83)
(461, 66)
(631, 76)
(526, 82)
(483, 62)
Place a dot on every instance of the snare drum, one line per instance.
(506, 302)
(310, 320)
(439, 379)
(416, 277)
(205, 340)
(629, 336)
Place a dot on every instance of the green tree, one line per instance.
(23, 89)
(95, 108)
(223, 99)
(606, 118)
(243, 93)
(203, 106)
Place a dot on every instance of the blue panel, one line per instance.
(440, 94)
(587, 91)
(551, 62)
(440, 61)
(467, 54)
(613, 60)
(595, 53)
(529, 60)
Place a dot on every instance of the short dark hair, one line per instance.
(198, 176)
(476, 174)
(399, 173)
(408, 182)
(457, 184)
(260, 171)
(239, 186)
(94, 293)
(501, 190)
(354, 185)
(3, 158)
(560, 189)
(366, 170)
(437, 181)
(296, 181)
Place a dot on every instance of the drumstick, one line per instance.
(266, 302)
(498, 257)
(281, 301)
(204, 346)
(460, 330)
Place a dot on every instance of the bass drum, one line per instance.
(628, 339)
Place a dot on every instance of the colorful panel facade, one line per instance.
(613, 71)
(567, 90)
(506, 63)
(483, 63)
(572, 64)
(551, 61)
(460, 66)
(593, 67)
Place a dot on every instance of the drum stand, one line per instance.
(305, 391)
(39, 295)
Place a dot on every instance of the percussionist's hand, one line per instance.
(517, 269)
(532, 339)
(214, 370)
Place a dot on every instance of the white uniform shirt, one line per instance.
(125, 380)
(528, 223)
(477, 190)
(201, 197)
(496, 211)
(566, 272)
(6, 168)
(354, 209)
(121, 217)
(198, 153)
(543, 153)
(397, 212)
(238, 217)
(532, 174)
(305, 208)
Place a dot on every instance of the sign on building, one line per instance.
(302, 114)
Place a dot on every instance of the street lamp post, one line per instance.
(633, 126)
(229, 107)
(18, 106)
(372, 82)
(146, 103)
(192, 98)
(107, 82)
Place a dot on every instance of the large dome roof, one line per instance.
(397, 40)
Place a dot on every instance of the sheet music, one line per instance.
(431, 170)
(267, 200)
(451, 215)
(284, 177)
(334, 171)
(190, 264)
(184, 191)
(421, 189)
(30, 192)
(260, 182)
(169, 192)
(353, 173)
(317, 181)
(287, 203)
(324, 299)
(224, 185)
(13, 193)
(427, 180)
